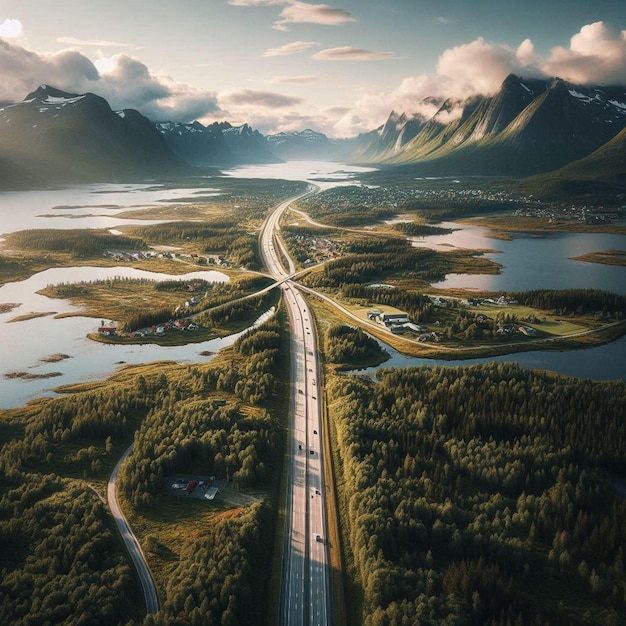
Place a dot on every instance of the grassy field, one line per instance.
(554, 333)
(607, 257)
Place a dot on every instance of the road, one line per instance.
(134, 549)
(305, 589)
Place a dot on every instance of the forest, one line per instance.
(79, 243)
(60, 558)
(482, 495)
(350, 346)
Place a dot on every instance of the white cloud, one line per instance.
(480, 66)
(442, 19)
(597, 53)
(295, 80)
(297, 12)
(263, 99)
(349, 53)
(290, 48)
(123, 80)
(11, 28)
(256, 3)
(99, 43)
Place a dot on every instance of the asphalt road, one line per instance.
(305, 593)
(134, 549)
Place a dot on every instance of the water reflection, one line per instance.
(531, 260)
(27, 343)
(89, 360)
(86, 206)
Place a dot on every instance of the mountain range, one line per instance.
(218, 144)
(54, 135)
(529, 127)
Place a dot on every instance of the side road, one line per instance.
(136, 553)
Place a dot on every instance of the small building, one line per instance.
(211, 493)
(389, 319)
(107, 331)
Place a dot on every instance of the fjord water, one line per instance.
(23, 344)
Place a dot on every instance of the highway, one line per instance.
(305, 590)
(134, 549)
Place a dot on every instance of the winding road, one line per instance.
(134, 549)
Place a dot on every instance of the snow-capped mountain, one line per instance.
(197, 144)
(529, 126)
(218, 144)
(248, 145)
(304, 145)
(62, 136)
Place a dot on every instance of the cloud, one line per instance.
(256, 3)
(597, 53)
(480, 66)
(264, 99)
(295, 80)
(297, 12)
(441, 19)
(349, 53)
(11, 28)
(290, 48)
(100, 43)
(123, 80)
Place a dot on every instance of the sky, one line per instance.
(285, 65)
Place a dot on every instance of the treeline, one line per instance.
(576, 301)
(335, 208)
(417, 305)
(483, 495)
(348, 345)
(218, 296)
(243, 251)
(220, 440)
(242, 310)
(446, 206)
(223, 237)
(413, 229)
(219, 232)
(421, 264)
(60, 559)
(80, 243)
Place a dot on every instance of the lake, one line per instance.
(86, 206)
(530, 262)
(606, 362)
(28, 343)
